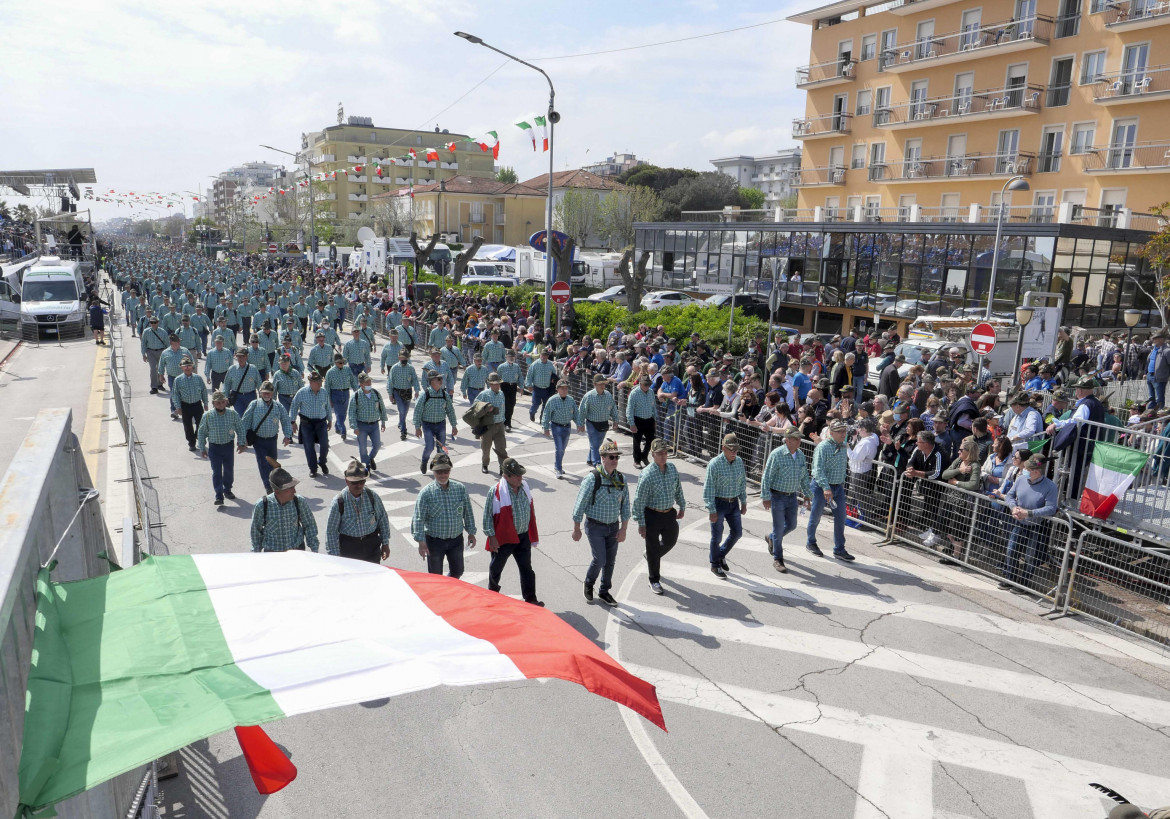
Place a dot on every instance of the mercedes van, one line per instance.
(52, 297)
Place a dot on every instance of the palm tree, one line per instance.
(24, 213)
(5, 211)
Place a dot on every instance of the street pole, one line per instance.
(1015, 183)
(303, 156)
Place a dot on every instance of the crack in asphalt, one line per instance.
(964, 789)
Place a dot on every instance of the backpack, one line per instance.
(300, 521)
(620, 481)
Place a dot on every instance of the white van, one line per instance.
(490, 281)
(52, 296)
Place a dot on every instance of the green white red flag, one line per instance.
(1111, 472)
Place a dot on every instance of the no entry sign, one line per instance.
(560, 292)
(983, 338)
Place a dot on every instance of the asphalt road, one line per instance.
(888, 687)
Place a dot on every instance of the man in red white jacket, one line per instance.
(509, 523)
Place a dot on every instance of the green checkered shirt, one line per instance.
(362, 516)
(521, 511)
(402, 377)
(357, 351)
(258, 357)
(493, 352)
(218, 361)
(509, 373)
(784, 472)
(229, 338)
(540, 374)
(598, 408)
(830, 463)
(433, 407)
(452, 357)
(219, 428)
(321, 355)
(389, 356)
(189, 389)
(369, 409)
(341, 378)
(474, 378)
(724, 479)
(657, 489)
(443, 513)
(611, 502)
(283, 530)
(309, 404)
(496, 399)
(640, 404)
(287, 383)
(438, 337)
(237, 380)
(558, 410)
(188, 338)
(441, 368)
(294, 357)
(269, 341)
(169, 361)
(276, 420)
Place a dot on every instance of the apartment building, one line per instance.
(338, 149)
(469, 207)
(933, 105)
(615, 165)
(771, 173)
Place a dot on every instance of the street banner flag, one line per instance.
(542, 124)
(527, 127)
(413, 155)
(490, 141)
(1037, 445)
(1111, 472)
(450, 146)
(136, 664)
(432, 155)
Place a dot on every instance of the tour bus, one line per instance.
(52, 297)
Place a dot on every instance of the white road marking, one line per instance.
(897, 782)
(911, 663)
(1053, 774)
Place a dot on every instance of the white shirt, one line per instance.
(862, 453)
(1024, 427)
(1081, 413)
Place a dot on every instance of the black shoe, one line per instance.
(815, 550)
(344, 437)
(946, 561)
(724, 566)
(219, 501)
(422, 468)
(1018, 590)
(717, 570)
(154, 391)
(485, 470)
(227, 494)
(313, 473)
(1003, 584)
(373, 466)
(493, 588)
(324, 469)
(779, 566)
(588, 593)
(191, 447)
(532, 419)
(403, 436)
(607, 598)
(768, 540)
(507, 428)
(535, 603)
(848, 558)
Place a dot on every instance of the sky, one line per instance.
(160, 96)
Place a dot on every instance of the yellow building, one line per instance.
(929, 106)
(468, 206)
(340, 148)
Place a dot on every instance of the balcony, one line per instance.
(992, 104)
(357, 160)
(1131, 15)
(817, 177)
(1123, 87)
(353, 178)
(501, 219)
(327, 214)
(974, 43)
(324, 158)
(1138, 157)
(952, 168)
(820, 126)
(359, 197)
(324, 197)
(821, 75)
(915, 6)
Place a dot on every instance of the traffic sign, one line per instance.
(272, 247)
(983, 338)
(560, 292)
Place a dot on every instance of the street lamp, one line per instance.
(310, 164)
(1132, 317)
(1023, 318)
(553, 116)
(1015, 183)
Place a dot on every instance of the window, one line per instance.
(1017, 80)
(857, 160)
(1009, 148)
(881, 105)
(864, 102)
(1044, 206)
(924, 43)
(964, 88)
(873, 207)
(869, 46)
(477, 212)
(970, 35)
(1068, 22)
(888, 48)
(877, 160)
(905, 202)
(1092, 67)
(1061, 83)
(1083, 135)
(1121, 145)
(918, 109)
(1051, 140)
(1133, 68)
(949, 207)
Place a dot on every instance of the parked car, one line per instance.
(914, 307)
(667, 298)
(917, 351)
(750, 303)
(614, 295)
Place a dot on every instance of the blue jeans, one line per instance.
(314, 434)
(818, 506)
(1157, 391)
(242, 401)
(603, 543)
(472, 392)
(784, 511)
(450, 548)
(285, 401)
(539, 396)
(340, 401)
(560, 434)
(358, 369)
(596, 438)
(670, 421)
(368, 430)
(725, 510)
(403, 409)
(265, 447)
(434, 434)
(203, 342)
(223, 463)
(1024, 537)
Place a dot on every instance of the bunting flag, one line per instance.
(450, 146)
(413, 155)
(490, 141)
(138, 663)
(527, 127)
(1111, 472)
(432, 155)
(542, 123)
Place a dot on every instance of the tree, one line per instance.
(621, 209)
(463, 258)
(706, 191)
(1156, 252)
(576, 214)
(5, 211)
(392, 216)
(24, 213)
(634, 280)
(788, 202)
(655, 178)
(751, 198)
(507, 175)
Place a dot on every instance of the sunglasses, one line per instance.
(611, 457)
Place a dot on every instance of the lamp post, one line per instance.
(1023, 318)
(1132, 317)
(310, 164)
(552, 118)
(1015, 183)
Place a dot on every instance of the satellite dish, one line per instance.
(364, 234)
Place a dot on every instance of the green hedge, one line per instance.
(598, 319)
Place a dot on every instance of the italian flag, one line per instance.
(450, 146)
(490, 141)
(527, 127)
(1111, 472)
(542, 124)
(432, 155)
(413, 155)
(136, 664)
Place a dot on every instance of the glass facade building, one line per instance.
(835, 275)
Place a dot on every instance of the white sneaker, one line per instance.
(656, 588)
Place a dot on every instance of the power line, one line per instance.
(661, 43)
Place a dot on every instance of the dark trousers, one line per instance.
(661, 535)
(643, 435)
(265, 448)
(304, 320)
(314, 433)
(539, 396)
(285, 401)
(604, 546)
(725, 510)
(217, 379)
(223, 467)
(367, 547)
(192, 413)
(450, 548)
(509, 391)
(246, 322)
(522, 551)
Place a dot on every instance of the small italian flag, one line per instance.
(413, 155)
(528, 128)
(542, 124)
(1111, 472)
(432, 155)
(136, 664)
(450, 146)
(490, 141)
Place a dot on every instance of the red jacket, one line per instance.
(505, 525)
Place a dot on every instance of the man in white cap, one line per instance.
(281, 521)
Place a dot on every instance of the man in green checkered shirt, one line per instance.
(267, 418)
(218, 430)
(830, 465)
(603, 502)
(493, 433)
(438, 336)
(539, 380)
(725, 498)
(453, 357)
(189, 398)
(390, 351)
(367, 416)
(170, 360)
(281, 521)
(340, 381)
(493, 352)
(595, 414)
(431, 412)
(783, 485)
(510, 373)
(656, 499)
(557, 419)
(320, 354)
(641, 412)
(441, 514)
(357, 353)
